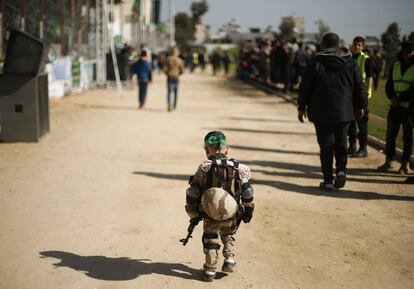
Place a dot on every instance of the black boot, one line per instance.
(361, 153)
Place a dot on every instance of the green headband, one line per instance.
(215, 141)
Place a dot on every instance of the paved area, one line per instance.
(99, 202)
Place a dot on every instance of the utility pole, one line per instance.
(62, 27)
(41, 18)
(121, 19)
(72, 22)
(23, 15)
(112, 45)
(100, 45)
(172, 23)
(1, 27)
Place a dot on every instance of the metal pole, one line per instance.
(62, 27)
(121, 20)
(23, 15)
(41, 18)
(172, 23)
(1, 27)
(100, 53)
(71, 28)
(112, 45)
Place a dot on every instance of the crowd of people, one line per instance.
(291, 66)
(334, 94)
(284, 63)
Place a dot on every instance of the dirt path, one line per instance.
(99, 202)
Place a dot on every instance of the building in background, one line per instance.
(232, 33)
(201, 33)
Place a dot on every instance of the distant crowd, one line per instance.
(284, 63)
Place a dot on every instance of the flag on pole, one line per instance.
(136, 10)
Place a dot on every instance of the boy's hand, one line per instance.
(247, 214)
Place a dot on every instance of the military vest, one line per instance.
(223, 174)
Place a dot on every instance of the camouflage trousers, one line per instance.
(211, 244)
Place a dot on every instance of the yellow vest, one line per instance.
(402, 82)
(361, 64)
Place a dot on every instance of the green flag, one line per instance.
(136, 10)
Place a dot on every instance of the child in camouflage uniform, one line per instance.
(229, 179)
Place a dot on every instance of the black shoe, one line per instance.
(340, 180)
(361, 153)
(228, 265)
(325, 186)
(208, 276)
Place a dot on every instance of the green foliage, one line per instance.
(198, 9)
(184, 30)
(286, 29)
(323, 28)
(391, 40)
(185, 24)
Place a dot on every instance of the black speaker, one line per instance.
(25, 54)
(122, 60)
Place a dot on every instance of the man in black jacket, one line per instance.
(331, 95)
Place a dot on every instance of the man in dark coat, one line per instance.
(332, 95)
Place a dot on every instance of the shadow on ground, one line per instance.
(263, 119)
(247, 148)
(164, 176)
(121, 268)
(262, 131)
(295, 188)
(314, 172)
(117, 107)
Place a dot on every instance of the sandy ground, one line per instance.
(99, 202)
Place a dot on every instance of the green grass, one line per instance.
(379, 103)
(380, 133)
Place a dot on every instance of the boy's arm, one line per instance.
(194, 192)
(247, 193)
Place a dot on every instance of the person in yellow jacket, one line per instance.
(400, 91)
(366, 68)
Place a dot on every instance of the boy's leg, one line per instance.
(142, 92)
(211, 246)
(227, 238)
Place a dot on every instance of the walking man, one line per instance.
(400, 90)
(366, 69)
(174, 67)
(332, 95)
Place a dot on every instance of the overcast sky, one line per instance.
(348, 18)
